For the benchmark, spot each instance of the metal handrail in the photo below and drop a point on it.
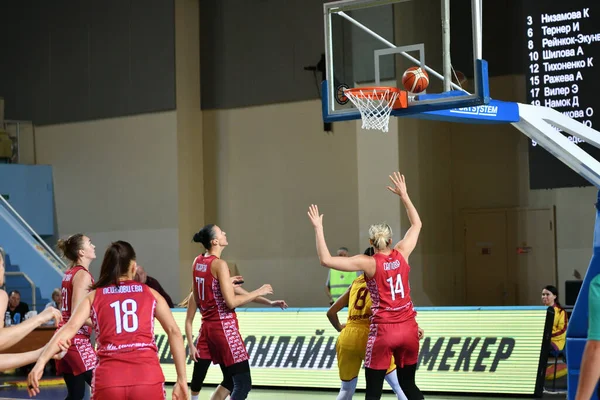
(28, 279)
(34, 233)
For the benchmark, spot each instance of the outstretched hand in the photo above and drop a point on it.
(265, 290)
(399, 182)
(313, 215)
(50, 314)
(279, 303)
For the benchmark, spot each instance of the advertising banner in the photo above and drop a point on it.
(465, 349)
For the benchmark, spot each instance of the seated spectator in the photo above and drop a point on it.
(143, 277)
(56, 299)
(559, 327)
(16, 308)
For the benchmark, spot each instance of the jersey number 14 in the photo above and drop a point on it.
(397, 288)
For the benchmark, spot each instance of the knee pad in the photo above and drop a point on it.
(242, 384)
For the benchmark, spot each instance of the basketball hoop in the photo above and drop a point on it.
(376, 103)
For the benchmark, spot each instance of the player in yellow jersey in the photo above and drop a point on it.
(352, 342)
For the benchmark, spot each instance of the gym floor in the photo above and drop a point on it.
(59, 393)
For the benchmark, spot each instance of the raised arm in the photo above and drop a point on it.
(165, 317)
(78, 318)
(356, 263)
(13, 334)
(335, 308)
(409, 241)
(221, 270)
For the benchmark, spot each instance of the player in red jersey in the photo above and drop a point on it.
(78, 364)
(201, 365)
(393, 328)
(219, 339)
(123, 312)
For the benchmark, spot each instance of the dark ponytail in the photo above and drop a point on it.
(115, 264)
(205, 236)
(554, 291)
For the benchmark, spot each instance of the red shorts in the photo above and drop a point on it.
(80, 357)
(146, 392)
(400, 340)
(221, 342)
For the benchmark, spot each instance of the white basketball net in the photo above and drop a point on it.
(375, 106)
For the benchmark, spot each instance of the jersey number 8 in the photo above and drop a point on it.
(361, 298)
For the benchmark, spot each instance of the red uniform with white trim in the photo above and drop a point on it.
(393, 328)
(81, 356)
(219, 339)
(128, 366)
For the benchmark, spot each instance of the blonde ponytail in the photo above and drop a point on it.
(380, 235)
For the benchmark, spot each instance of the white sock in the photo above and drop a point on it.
(392, 380)
(195, 396)
(347, 390)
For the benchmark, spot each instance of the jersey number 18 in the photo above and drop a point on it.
(126, 318)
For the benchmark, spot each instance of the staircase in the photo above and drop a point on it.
(32, 267)
(17, 280)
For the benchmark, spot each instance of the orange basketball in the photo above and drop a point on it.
(415, 80)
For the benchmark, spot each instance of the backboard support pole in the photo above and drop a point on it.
(476, 10)
(446, 45)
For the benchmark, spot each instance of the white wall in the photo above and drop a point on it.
(116, 179)
(267, 165)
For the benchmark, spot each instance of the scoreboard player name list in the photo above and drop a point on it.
(560, 51)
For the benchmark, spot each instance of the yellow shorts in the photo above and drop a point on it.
(350, 348)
